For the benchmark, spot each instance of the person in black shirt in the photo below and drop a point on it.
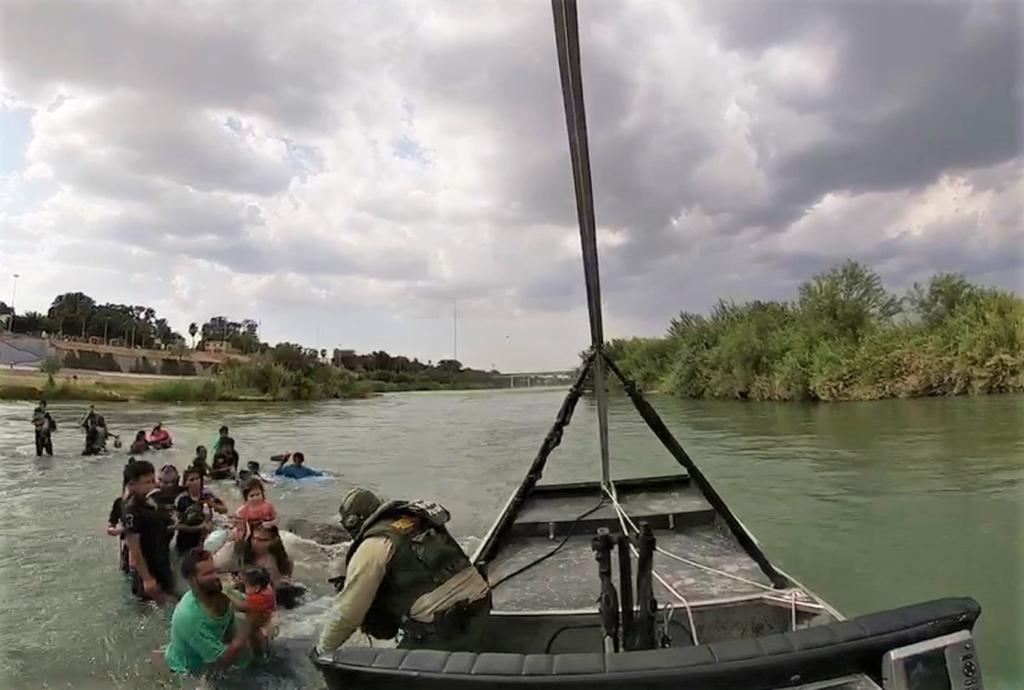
(115, 524)
(199, 462)
(147, 529)
(44, 427)
(168, 487)
(195, 507)
(225, 461)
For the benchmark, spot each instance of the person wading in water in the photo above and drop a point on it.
(44, 427)
(205, 634)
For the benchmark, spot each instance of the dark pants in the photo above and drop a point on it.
(161, 573)
(44, 442)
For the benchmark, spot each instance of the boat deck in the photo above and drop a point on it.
(683, 523)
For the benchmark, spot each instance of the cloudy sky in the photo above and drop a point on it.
(346, 171)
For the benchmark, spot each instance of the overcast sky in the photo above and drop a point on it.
(344, 171)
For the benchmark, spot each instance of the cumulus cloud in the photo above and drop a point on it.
(345, 171)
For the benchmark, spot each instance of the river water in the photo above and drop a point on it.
(872, 505)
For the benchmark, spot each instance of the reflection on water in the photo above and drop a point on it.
(870, 504)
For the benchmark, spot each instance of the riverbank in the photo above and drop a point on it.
(99, 386)
(230, 386)
(71, 384)
(844, 338)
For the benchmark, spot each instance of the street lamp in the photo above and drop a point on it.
(14, 293)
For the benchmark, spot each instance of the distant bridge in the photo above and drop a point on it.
(524, 379)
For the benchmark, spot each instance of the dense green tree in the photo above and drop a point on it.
(841, 340)
(846, 302)
(70, 312)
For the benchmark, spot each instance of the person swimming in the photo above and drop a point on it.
(140, 444)
(159, 438)
(296, 470)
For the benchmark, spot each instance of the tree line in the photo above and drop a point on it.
(77, 315)
(844, 337)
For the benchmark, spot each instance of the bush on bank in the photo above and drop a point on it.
(844, 338)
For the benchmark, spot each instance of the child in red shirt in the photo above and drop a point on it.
(260, 602)
(257, 509)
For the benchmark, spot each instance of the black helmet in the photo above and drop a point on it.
(357, 505)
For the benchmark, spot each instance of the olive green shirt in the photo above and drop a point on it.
(363, 576)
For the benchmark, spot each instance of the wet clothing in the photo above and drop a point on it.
(145, 519)
(44, 443)
(262, 601)
(192, 513)
(403, 570)
(44, 426)
(95, 440)
(138, 446)
(297, 472)
(160, 439)
(259, 513)
(114, 519)
(115, 512)
(225, 463)
(199, 639)
(166, 496)
(215, 446)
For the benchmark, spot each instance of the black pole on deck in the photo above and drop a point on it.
(645, 588)
(608, 601)
(626, 591)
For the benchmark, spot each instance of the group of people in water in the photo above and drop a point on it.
(404, 574)
(96, 433)
(163, 516)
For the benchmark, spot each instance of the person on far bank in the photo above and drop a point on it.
(404, 571)
(295, 470)
(44, 426)
(146, 529)
(205, 634)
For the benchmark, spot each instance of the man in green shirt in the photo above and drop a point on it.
(204, 632)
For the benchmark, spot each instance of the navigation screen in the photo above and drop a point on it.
(927, 671)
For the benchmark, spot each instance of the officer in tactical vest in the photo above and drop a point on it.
(405, 572)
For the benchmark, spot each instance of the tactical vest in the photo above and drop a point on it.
(425, 557)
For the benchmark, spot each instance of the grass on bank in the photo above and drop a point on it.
(62, 391)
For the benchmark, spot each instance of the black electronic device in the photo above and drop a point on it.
(949, 662)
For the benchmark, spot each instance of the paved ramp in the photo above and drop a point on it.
(23, 351)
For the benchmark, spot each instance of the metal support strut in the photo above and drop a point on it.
(567, 44)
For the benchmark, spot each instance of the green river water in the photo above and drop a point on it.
(872, 505)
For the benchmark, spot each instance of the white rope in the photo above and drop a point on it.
(664, 583)
(694, 564)
(793, 609)
(791, 600)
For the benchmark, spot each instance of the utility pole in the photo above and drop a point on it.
(14, 293)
